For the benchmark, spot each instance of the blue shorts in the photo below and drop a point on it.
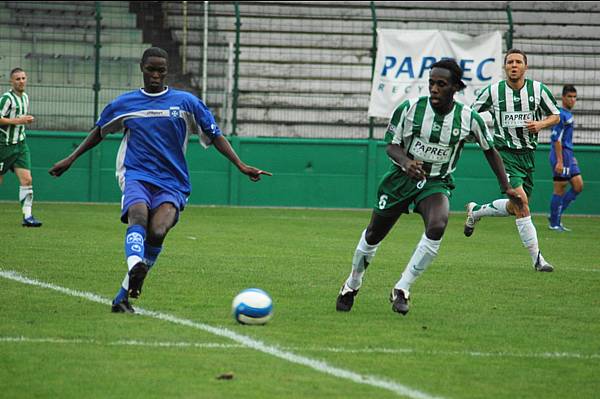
(153, 196)
(570, 166)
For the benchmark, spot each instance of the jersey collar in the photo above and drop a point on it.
(154, 94)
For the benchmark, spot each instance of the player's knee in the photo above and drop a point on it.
(158, 232)
(435, 230)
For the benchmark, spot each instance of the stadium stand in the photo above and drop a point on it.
(305, 67)
(54, 42)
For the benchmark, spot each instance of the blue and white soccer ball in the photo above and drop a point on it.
(252, 306)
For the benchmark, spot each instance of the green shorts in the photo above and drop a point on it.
(14, 156)
(519, 166)
(397, 191)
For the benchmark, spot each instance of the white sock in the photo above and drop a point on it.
(125, 283)
(424, 254)
(363, 255)
(132, 261)
(494, 208)
(528, 235)
(26, 199)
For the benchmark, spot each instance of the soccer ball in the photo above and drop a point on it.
(252, 306)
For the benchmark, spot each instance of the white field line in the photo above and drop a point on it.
(391, 351)
(246, 341)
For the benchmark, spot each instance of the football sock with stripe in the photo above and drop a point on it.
(555, 209)
(494, 208)
(151, 254)
(426, 251)
(26, 200)
(567, 199)
(134, 245)
(363, 255)
(528, 235)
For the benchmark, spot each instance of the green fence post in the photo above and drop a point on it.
(371, 143)
(236, 69)
(509, 34)
(373, 56)
(371, 185)
(96, 153)
(234, 175)
(97, 47)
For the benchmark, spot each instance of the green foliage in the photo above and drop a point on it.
(482, 323)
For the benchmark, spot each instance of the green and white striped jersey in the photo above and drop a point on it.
(435, 139)
(511, 109)
(13, 106)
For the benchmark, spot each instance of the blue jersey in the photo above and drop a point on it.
(156, 130)
(563, 132)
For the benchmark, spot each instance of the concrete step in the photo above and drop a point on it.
(64, 34)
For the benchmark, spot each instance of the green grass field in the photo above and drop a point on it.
(482, 323)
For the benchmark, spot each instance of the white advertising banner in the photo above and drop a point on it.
(404, 58)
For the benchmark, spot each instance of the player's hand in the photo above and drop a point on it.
(26, 119)
(414, 169)
(514, 197)
(559, 168)
(534, 126)
(254, 173)
(60, 167)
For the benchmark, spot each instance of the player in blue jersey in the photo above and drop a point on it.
(563, 162)
(151, 166)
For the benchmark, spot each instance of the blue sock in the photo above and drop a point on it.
(150, 254)
(134, 245)
(567, 199)
(121, 296)
(555, 204)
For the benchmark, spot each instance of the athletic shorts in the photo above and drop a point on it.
(14, 156)
(397, 191)
(137, 191)
(570, 166)
(520, 166)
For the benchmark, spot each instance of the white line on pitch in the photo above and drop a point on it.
(391, 351)
(315, 364)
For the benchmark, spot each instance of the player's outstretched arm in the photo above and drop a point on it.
(497, 166)
(224, 148)
(90, 142)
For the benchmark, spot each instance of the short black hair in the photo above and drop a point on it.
(568, 89)
(15, 70)
(455, 71)
(516, 51)
(154, 52)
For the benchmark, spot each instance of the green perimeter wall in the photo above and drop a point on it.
(306, 173)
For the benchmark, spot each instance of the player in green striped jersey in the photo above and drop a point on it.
(520, 109)
(14, 152)
(425, 138)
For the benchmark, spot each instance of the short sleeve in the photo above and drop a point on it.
(480, 132)
(394, 128)
(205, 120)
(548, 102)
(106, 117)
(484, 101)
(5, 105)
(558, 129)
